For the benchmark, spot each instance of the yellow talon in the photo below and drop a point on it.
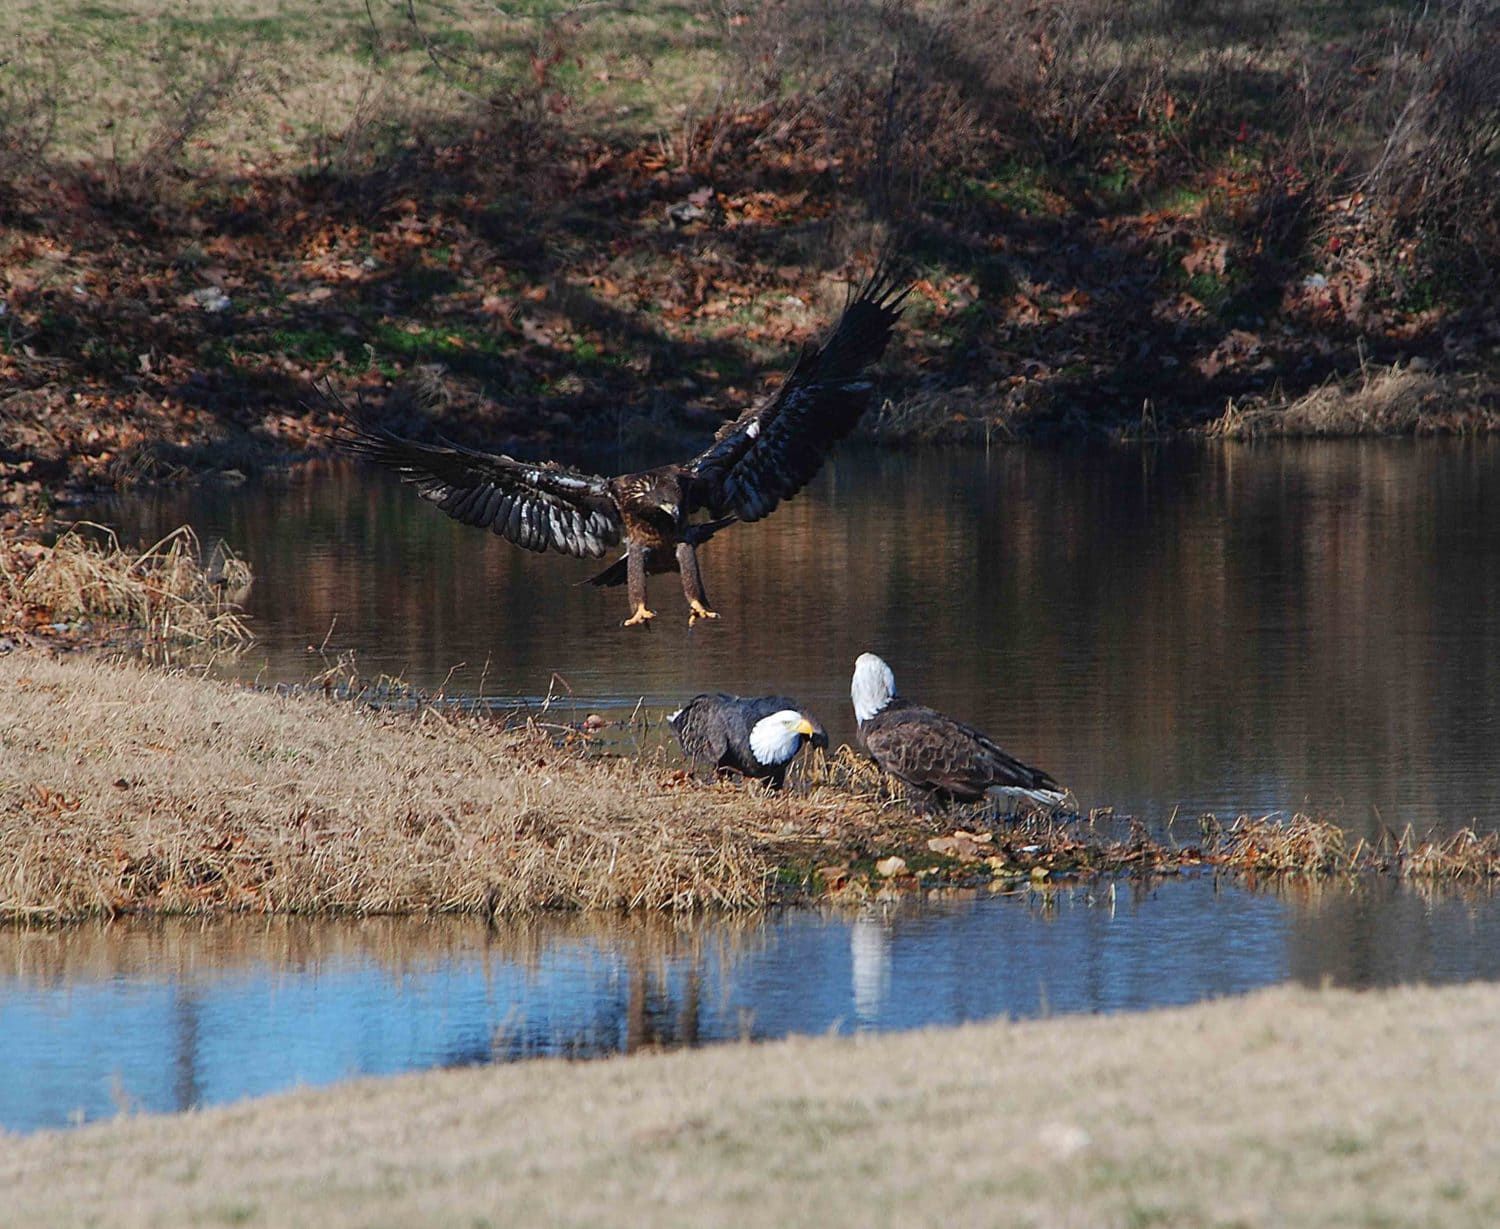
(640, 616)
(700, 611)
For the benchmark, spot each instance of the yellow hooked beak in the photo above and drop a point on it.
(803, 727)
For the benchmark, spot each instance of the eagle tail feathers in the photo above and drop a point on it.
(1048, 799)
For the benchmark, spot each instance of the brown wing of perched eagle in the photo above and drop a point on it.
(756, 737)
(936, 757)
(767, 454)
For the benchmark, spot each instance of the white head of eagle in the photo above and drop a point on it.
(775, 739)
(873, 686)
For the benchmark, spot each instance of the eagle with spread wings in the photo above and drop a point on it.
(767, 454)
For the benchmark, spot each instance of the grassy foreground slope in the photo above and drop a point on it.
(1286, 1108)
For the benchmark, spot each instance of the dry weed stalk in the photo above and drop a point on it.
(1303, 845)
(1464, 855)
(1315, 847)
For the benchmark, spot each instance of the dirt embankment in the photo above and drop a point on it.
(1286, 1108)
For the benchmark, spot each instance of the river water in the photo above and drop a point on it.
(101, 1019)
(1304, 626)
(1173, 631)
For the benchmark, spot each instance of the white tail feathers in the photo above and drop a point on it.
(1049, 799)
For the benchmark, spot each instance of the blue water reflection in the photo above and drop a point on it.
(167, 1015)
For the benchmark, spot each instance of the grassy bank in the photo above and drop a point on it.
(549, 227)
(1286, 1108)
(132, 789)
(127, 789)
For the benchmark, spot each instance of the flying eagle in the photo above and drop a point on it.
(936, 757)
(767, 454)
(754, 737)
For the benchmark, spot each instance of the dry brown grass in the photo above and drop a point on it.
(1302, 845)
(1387, 401)
(1308, 846)
(1287, 1108)
(125, 789)
(168, 591)
(1466, 855)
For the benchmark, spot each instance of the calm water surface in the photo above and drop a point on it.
(1218, 630)
(162, 1016)
(1245, 629)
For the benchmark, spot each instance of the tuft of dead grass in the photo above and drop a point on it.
(169, 590)
(1466, 855)
(1303, 845)
(1387, 401)
(1311, 847)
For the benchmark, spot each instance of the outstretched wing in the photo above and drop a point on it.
(536, 506)
(770, 452)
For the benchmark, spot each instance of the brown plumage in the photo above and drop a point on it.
(767, 454)
(936, 757)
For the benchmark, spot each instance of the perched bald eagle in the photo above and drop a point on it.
(767, 454)
(754, 737)
(937, 758)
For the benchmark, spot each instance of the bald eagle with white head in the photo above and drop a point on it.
(757, 737)
(936, 757)
(767, 454)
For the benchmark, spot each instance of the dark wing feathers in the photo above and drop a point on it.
(541, 507)
(930, 751)
(702, 728)
(714, 729)
(773, 449)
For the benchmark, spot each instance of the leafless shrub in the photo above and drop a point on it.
(190, 102)
(507, 66)
(1405, 122)
(28, 119)
(1436, 96)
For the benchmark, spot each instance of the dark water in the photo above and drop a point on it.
(1239, 630)
(1236, 630)
(162, 1016)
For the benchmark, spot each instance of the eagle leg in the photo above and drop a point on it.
(635, 569)
(692, 584)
